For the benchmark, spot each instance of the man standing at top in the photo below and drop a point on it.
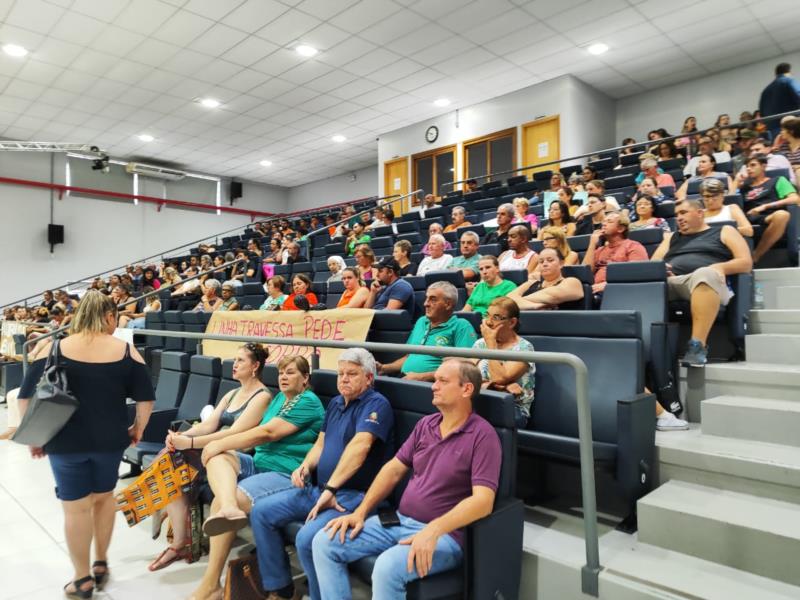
(780, 96)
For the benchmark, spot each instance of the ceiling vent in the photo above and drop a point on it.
(153, 171)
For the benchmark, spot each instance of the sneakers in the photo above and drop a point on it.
(696, 354)
(669, 422)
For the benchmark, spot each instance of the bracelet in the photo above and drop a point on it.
(191, 447)
(330, 489)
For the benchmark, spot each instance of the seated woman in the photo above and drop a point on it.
(171, 276)
(287, 431)
(335, 266)
(713, 193)
(706, 168)
(275, 254)
(239, 410)
(365, 263)
(552, 290)
(355, 292)
(521, 213)
(558, 216)
(229, 301)
(648, 187)
(499, 332)
(402, 254)
(301, 285)
(518, 256)
(211, 300)
(149, 278)
(554, 237)
(275, 296)
(645, 208)
(491, 286)
(137, 320)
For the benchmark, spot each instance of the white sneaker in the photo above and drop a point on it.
(669, 422)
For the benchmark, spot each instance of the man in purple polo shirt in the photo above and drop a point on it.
(455, 457)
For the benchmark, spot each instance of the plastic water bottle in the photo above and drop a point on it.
(758, 296)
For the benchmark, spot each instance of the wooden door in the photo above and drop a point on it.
(540, 143)
(395, 181)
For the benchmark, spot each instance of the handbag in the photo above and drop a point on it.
(51, 407)
(243, 582)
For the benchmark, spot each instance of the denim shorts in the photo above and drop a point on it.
(247, 465)
(261, 485)
(79, 474)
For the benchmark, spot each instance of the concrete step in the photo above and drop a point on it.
(786, 321)
(759, 419)
(746, 532)
(788, 297)
(739, 465)
(773, 348)
(752, 379)
(771, 279)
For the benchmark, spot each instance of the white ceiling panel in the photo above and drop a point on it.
(109, 71)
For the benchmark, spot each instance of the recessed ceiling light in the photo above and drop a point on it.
(304, 50)
(598, 48)
(14, 50)
(266, 163)
(146, 137)
(209, 102)
(339, 139)
(442, 102)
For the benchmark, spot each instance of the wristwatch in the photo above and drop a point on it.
(330, 488)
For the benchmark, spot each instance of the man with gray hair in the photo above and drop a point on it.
(437, 260)
(439, 327)
(467, 261)
(355, 441)
(457, 219)
(649, 168)
(505, 218)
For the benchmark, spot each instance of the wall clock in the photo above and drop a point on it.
(431, 134)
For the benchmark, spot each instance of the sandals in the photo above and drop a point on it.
(100, 579)
(218, 524)
(182, 553)
(80, 594)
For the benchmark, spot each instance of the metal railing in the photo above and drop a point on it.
(590, 572)
(638, 145)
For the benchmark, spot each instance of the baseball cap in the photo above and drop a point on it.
(389, 263)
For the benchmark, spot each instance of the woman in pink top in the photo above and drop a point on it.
(521, 213)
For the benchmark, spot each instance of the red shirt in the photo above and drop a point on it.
(625, 251)
(288, 304)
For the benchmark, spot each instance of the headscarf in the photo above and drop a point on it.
(339, 260)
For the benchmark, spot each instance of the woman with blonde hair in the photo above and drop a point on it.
(103, 372)
(365, 263)
(553, 237)
(521, 213)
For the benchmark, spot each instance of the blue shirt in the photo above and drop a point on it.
(781, 95)
(401, 290)
(370, 412)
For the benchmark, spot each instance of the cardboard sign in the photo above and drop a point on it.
(342, 324)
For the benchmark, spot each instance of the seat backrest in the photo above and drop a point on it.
(518, 276)
(171, 379)
(201, 388)
(456, 277)
(323, 382)
(269, 377)
(473, 317)
(154, 320)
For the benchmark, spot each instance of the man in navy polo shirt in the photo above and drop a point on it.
(390, 290)
(355, 441)
(455, 457)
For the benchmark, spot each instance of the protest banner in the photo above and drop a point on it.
(349, 324)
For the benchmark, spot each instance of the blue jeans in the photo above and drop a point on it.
(390, 575)
(272, 512)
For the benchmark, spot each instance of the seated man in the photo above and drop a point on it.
(595, 214)
(505, 218)
(519, 256)
(442, 497)
(355, 441)
(436, 260)
(698, 258)
(765, 200)
(389, 290)
(616, 248)
(439, 327)
(294, 254)
(774, 161)
(649, 168)
(467, 261)
(457, 219)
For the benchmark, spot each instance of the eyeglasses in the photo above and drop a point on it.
(496, 318)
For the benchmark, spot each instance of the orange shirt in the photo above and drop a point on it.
(289, 302)
(346, 297)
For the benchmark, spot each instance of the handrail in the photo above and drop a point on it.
(395, 198)
(590, 572)
(740, 125)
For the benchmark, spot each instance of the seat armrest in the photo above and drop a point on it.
(636, 440)
(493, 554)
(159, 424)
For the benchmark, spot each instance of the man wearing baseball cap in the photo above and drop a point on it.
(389, 290)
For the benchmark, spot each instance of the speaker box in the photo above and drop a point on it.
(236, 190)
(55, 234)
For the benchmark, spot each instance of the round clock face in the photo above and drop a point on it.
(432, 133)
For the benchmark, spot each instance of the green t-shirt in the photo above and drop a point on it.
(483, 295)
(305, 412)
(459, 262)
(453, 333)
(364, 239)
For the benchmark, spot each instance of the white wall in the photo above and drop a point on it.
(586, 121)
(729, 91)
(99, 234)
(333, 190)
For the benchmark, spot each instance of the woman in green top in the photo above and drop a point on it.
(356, 238)
(229, 301)
(491, 286)
(288, 429)
(275, 296)
(239, 410)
